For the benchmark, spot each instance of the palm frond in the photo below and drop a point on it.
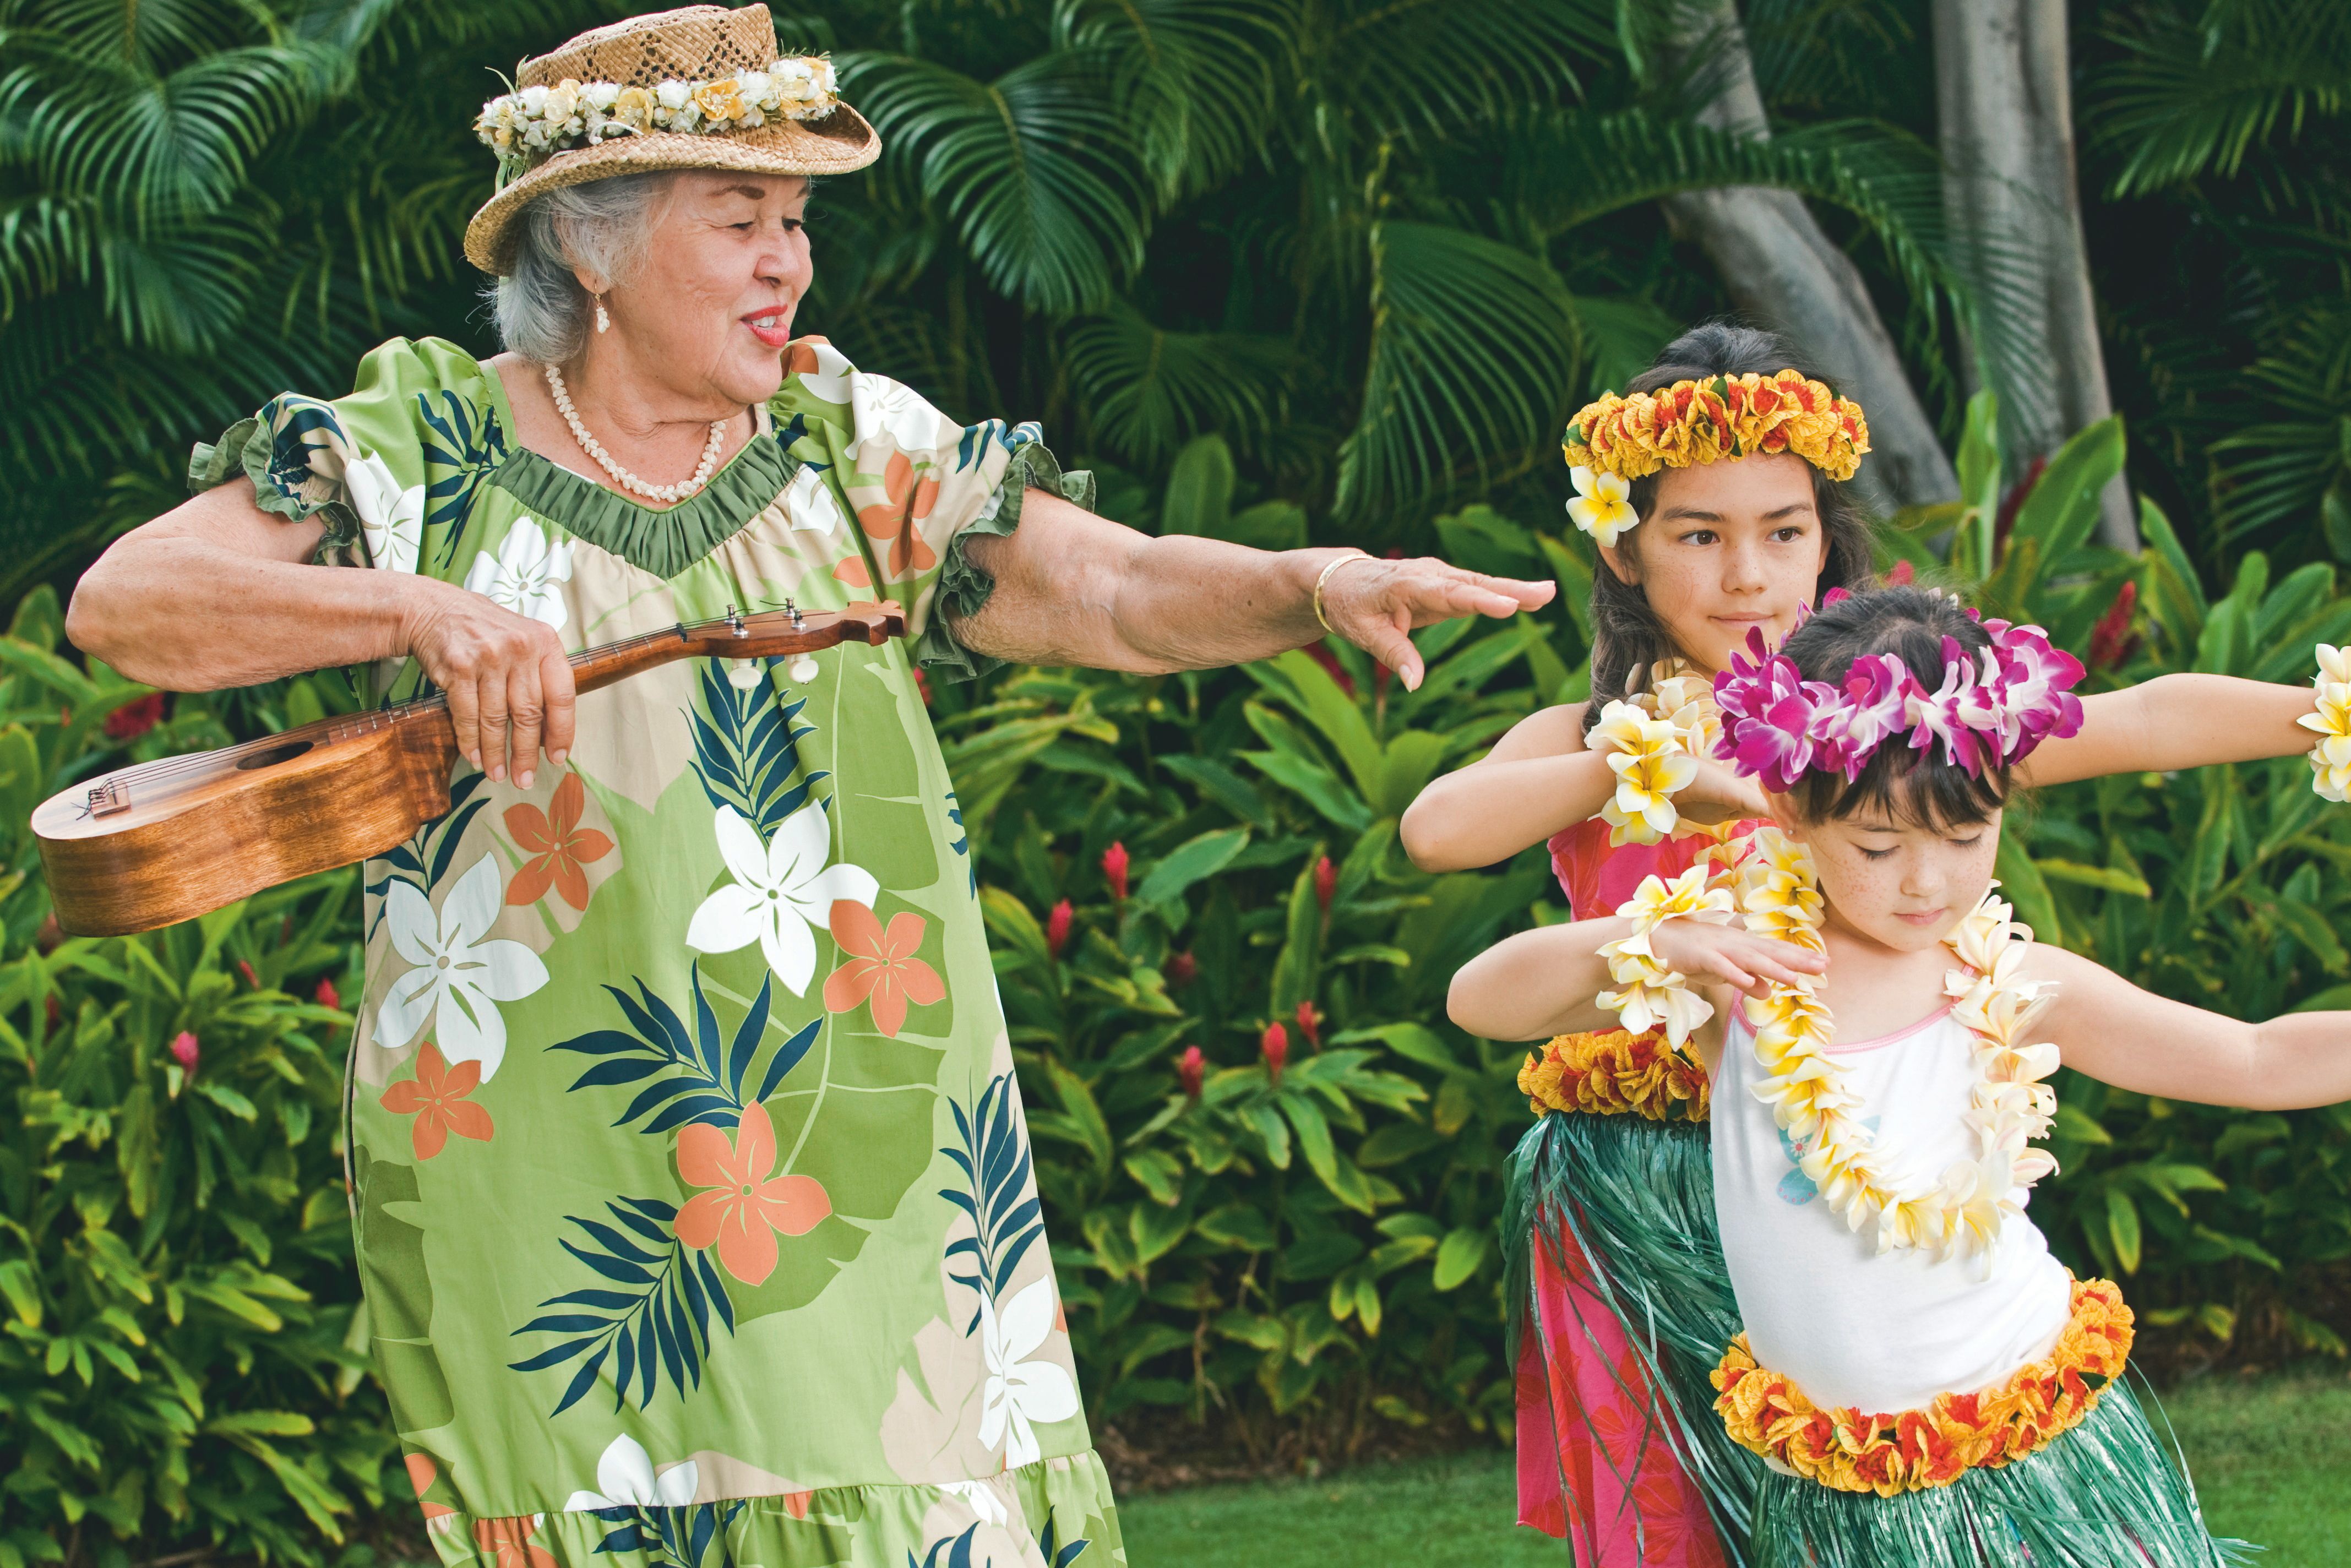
(1473, 353)
(1439, 63)
(1034, 168)
(2191, 94)
(1196, 78)
(1146, 391)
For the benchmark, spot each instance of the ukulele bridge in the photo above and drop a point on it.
(107, 798)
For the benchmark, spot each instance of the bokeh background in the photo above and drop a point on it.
(1279, 271)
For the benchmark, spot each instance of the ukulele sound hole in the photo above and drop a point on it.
(273, 756)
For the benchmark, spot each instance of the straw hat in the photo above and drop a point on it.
(698, 43)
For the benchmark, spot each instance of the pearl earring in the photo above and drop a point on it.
(603, 322)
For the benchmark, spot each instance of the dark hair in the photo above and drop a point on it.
(1627, 635)
(1913, 786)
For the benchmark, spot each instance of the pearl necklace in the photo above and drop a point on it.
(621, 476)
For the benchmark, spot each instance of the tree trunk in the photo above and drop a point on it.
(2006, 107)
(1783, 270)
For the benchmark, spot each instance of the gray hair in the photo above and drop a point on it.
(605, 226)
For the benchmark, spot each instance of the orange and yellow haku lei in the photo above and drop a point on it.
(1617, 1073)
(1851, 1451)
(1721, 416)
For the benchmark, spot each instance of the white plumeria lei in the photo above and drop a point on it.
(2330, 759)
(1652, 741)
(539, 121)
(2010, 1107)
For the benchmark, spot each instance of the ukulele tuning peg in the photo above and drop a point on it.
(802, 669)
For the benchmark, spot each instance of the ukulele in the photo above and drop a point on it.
(167, 840)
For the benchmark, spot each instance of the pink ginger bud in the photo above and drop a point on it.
(1113, 863)
(1326, 882)
(1191, 1068)
(1057, 928)
(185, 1052)
(1275, 1046)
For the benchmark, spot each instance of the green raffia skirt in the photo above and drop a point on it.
(1621, 1211)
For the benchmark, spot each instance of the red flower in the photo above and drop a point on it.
(1901, 574)
(1113, 863)
(1190, 1069)
(185, 1050)
(2016, 499)
(880, 964)
(1326, 881)
(245, 967)
(436, 1097)
(328, 996)
(1275, 1046)
(748, 1202)
(1181, 969)
(1309, 1024)
(2111, 642)
(135, 718)
(559, 846)
(1057, 928)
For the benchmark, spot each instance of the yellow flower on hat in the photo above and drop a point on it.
(720, 99)
(1600, 506)
(633, 107)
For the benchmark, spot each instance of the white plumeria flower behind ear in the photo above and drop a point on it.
(459, 979)
(392, 520)
(625, 1479)
(1600, 508)
(1020, 1392)
(522, 576)
(781, 889)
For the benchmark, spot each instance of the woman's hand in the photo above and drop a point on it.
(1725, 955)
(507, 678)
(1374, 604)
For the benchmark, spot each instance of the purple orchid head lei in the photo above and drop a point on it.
(1993, 707)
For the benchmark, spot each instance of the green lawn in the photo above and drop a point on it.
(2272, 1459)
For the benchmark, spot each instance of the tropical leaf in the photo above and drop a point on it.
(746, 748)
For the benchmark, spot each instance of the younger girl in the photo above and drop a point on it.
(1712, 523)
(1925, 1384)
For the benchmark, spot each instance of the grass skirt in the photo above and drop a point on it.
(2104, 1495)
(1633, 1201)
(1626, 1207)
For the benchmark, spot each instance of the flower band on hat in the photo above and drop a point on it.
(536, 122)
(1991, 710)
(1617, 439)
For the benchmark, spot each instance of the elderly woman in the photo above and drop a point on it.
(692, 1196)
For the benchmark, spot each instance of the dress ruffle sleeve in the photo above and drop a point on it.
(920, 486)
(401, 457)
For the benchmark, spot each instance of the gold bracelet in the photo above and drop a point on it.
(1330, 567)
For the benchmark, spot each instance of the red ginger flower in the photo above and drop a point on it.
(1901, 574)
(1181, 969)
(1191, 1069)
(1113, 864)
(1326, 882)
(185, 1050)
(559, 846)
(748, 1202)
(245, 967)
(880, 964)
(135, 718)
(436, 1097)
(1309, 1024)
(1275, 1046)
(328, 996)
(1057, 928)
(2110, 640)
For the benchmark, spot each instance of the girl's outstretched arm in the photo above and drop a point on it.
(2175, 721)
(2105, 1026)
(1538, 779)
(1545, 982)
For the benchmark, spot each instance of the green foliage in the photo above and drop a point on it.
(182, 1347)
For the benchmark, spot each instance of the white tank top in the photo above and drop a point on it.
(1851, 1326)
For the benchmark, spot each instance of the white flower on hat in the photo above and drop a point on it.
(670, 94)
(602, 94)
(534, 100)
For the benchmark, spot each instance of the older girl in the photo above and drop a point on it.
(1717, 519)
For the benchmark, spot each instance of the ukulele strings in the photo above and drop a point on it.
(343, 726)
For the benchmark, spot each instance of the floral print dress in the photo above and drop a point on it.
(693, 1194)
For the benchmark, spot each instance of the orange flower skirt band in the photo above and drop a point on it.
(1848, 1450)
(1615, 1074)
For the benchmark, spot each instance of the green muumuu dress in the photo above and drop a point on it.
(693, 1194)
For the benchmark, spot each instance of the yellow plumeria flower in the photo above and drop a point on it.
(1651, 764)
(2330, 759)
(1599, 506)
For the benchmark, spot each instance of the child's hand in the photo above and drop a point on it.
(1730, 957)
(1719, 795)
